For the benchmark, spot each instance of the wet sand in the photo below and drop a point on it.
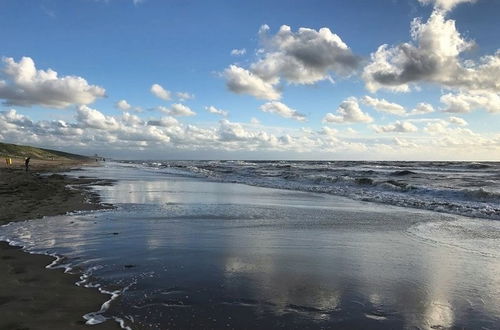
(31, 296)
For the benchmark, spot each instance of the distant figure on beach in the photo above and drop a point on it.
(27, 163)
(8, 161)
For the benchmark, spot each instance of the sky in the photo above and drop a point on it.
(181, 79)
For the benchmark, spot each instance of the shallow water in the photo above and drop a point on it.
(194, 253)
(463, 188)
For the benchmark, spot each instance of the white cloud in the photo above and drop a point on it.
(184, 96)
(164, 122)
(458, 121)
(238, 52)
(177, 109)
(27, 86)
(437, 127)
(351, 131)
(254, 121)
(328, 131)
(123, 105)
(303, 57)
(160, 92)
(128, 134)
(348, 112)
(92, 118)
(216, 111)
(445, 137)
(397, 127)
(12, 117)
(434, 56)
(422, 108)
(241, 81)
(445, 5)
(282, 110)
(404, 143)
(384, 106)
(229, 131)
(464, 102)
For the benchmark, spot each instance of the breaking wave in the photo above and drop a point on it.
(465, 188)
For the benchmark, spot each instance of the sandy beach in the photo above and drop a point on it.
(31, 296)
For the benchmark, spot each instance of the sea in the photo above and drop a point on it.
(465, 188)
(284, 244)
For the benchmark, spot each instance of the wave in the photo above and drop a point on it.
(430, 186)
(401, 173)
(478, 166)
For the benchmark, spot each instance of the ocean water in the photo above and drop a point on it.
(184, 250)
(465, 188)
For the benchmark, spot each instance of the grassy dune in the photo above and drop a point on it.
(19, 151)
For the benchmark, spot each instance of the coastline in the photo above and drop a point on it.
(207, 254)
(31, 296)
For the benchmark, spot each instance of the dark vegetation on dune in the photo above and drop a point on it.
(20, 151)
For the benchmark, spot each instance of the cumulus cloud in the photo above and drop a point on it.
(23, 84)
(282, 110)
(164, 122)
(445, 136)
(464, 102)
(400, 142)
(445, 5)
(422, 108)
(216, 111)
(128, 133)
(126, 130)
(12, 117)
(184, 96)
(18, 128)
(160, 92)
(433, 56)
(242, 81)
(397, 127)
(351, 130)
(458, 121)
(302, 57)
(229, 131)
(238, 52)
(329, 131)
(305, 56)
(348, 112)
(92, 118)
(437, 127)
(177, 109)
(384, 106)
(254, 121)
(123, 105)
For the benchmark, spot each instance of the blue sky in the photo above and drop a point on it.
(290, 79)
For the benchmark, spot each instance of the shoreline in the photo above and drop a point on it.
(32, 296)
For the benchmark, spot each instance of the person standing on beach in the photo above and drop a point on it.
(27, 163)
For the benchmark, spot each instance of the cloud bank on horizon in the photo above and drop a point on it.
(437, 58)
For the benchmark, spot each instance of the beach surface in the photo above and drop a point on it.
(31, 296)
(185, 252)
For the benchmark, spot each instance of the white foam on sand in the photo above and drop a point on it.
(98, 317)
(93, 317)
(473, 235)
